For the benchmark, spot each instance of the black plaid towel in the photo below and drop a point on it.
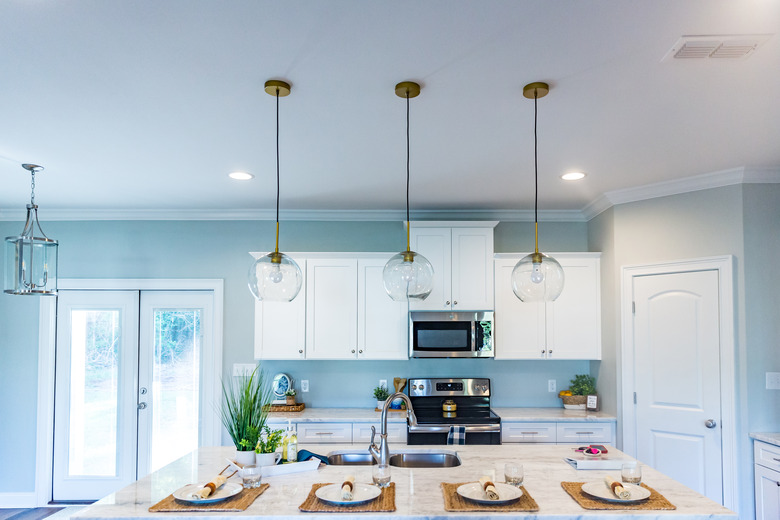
(457, 435)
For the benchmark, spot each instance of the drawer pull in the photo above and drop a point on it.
(323, 433)
(585, 433)
(775, 458)
(530, 433)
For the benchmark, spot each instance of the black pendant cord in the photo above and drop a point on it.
(408, 243)
(277, 171)
(536, 169)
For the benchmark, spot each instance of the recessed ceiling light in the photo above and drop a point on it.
(572, 176)
(241, 176)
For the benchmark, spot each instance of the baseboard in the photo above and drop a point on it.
(18, 499)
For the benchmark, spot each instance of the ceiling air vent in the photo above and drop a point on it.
(735, 47)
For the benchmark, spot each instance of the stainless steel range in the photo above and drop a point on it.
(442, 403)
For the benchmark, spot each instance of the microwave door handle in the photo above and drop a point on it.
(473, 335)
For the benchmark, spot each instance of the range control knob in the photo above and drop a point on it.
(421, 387)
(414, 387)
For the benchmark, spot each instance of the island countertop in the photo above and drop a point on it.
(418, 491)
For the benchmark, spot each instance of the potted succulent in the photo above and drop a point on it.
(244, 410)
(290, 396)
(580, 388)
(381, 394)
(265, 449)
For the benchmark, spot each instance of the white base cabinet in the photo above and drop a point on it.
(343, 433)
(767, 480)
(567, 328)
(590, 432)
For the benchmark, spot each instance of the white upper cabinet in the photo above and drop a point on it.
(383, 324)
(280, 327)
(462, 260)
(331, 308)
(568, 328)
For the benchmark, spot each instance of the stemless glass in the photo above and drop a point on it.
(250, 476)
(381, 475)
(513, 474)
(631, 473)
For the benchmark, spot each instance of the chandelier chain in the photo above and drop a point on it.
(32, 188)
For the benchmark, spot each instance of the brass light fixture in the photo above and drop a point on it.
(31, 257)
(275, 276)
(537, 277)
(408, 275)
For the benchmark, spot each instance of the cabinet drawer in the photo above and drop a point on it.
(361, 433)
(767, 455)
(528, 432)
(587, 432)
(321, 433)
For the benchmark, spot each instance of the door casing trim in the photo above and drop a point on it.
(724, 265)
(47, 335)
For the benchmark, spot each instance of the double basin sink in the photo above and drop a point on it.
(401, 459)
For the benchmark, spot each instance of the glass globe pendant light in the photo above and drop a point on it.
(275, 277)
(408, 275)
(31, 257)
(537, 277)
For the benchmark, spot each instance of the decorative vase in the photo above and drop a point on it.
(245, 457)
(290, 399)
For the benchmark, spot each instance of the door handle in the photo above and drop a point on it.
(710, 423)
(142, 406)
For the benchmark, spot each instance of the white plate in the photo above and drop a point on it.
(473, 491)
(602, 491)
(227, 490)
(361, 493)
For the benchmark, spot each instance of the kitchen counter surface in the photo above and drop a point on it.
(367, 415)
(771, 438)
(418, 491)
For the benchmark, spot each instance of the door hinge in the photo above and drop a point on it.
(633, 307)
(634, 397)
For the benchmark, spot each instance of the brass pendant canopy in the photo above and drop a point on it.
(536, 90)
(275, 86)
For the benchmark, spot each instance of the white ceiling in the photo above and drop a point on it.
(148, 104)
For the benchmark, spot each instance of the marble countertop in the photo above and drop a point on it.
(771, 438)
(367, 415)
(418, 491)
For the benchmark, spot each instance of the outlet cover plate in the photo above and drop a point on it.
(552, 386)
(304, 385)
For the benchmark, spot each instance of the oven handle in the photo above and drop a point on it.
(445, 428)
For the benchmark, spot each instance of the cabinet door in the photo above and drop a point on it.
(574, 319)
(585, 433)
(435, 244)
(532, 433)
(383, 324)
(331, 308)
(396, 432)
(280, 327)
(324, 433)
(472, 269)
(519, 327)
(767, 493)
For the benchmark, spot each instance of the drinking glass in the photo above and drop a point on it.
(381, 475)
(631, 472)
(513, 474)
(250, 476)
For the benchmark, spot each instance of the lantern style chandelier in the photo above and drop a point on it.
(31, 257)
(537, 277)
(408, 275)
(275, 276)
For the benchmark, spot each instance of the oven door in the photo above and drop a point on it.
(427, 434)
(442, 338)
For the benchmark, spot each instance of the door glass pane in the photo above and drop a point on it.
(92, 443)
(175, 380)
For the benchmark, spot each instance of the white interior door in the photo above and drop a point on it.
(677, 377)
(95, 405)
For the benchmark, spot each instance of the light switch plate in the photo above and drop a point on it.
(552, 385)
(383, 382)
(243, 369)
(304, 385)
(773, 380)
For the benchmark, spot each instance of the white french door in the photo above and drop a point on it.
(129, 385)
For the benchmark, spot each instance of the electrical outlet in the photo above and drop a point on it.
(304, 385)
(552, 386)
(773, 380)
(383, 382)
(243, 369)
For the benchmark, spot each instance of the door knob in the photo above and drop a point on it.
(142, 406)
(710, 423)
(142, 390)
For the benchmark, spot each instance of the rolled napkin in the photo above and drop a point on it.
(210, 488)
(490, 489)
(347, 487)
(617, 488)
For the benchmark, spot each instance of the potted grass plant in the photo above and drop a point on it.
(244, 411)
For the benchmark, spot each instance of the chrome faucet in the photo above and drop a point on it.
(382, 453)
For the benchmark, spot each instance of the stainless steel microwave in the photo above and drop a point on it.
(451, 334)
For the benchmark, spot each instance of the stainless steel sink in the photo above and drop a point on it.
(402, 459)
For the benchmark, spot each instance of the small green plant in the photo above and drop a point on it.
(291, 392)
(381, 393)
(269, 440)
(583, 384)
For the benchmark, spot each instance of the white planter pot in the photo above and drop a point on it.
(245, 457)
(267, 459)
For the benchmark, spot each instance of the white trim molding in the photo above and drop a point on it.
(724, 265)
(212, 427)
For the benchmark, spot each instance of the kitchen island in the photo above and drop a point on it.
(418, 491)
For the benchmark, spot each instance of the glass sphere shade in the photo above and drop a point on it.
(275, 281)
(537, 281)
(408, 276)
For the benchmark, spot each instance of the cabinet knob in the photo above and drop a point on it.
(543, 351)
(455, 302)
(549, 351)
(300, 351)
(353, 350)
(360, 351)
(447, 302)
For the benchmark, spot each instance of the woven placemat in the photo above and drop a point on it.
(454, 502)
(235, 503)
(656, 501)
(384, 503)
